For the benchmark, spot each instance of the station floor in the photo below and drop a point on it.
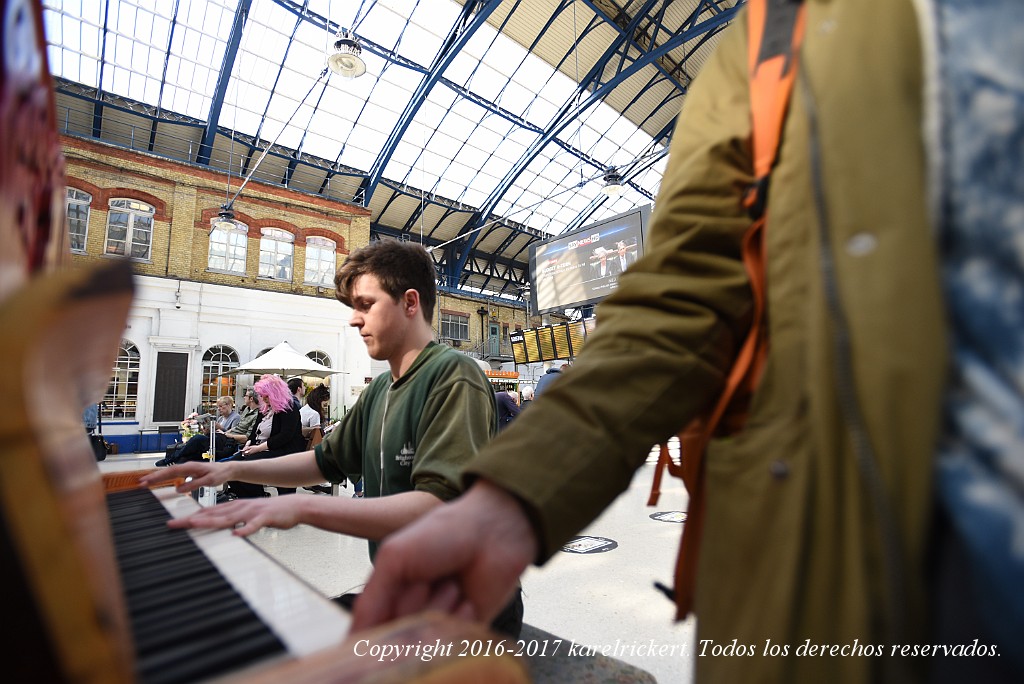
(605, 598)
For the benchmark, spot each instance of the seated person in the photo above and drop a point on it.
(276, 433)
(239, 435)
(195, 447)
(312, 419)
(312, 413)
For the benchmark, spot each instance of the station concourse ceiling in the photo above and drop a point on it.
(479, 127)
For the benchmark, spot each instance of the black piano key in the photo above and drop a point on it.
(188, 622)
(192, 666)
(199, 603)
(179, 625)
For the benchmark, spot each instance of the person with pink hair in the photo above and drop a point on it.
(278, 432)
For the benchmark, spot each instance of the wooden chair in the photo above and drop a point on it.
(315, 438)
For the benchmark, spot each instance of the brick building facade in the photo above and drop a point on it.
(208, 300)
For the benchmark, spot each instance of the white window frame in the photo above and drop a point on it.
(320, 357)
(321, 261)
(138, 239)
(121, 400)
(228, 250)
(452, 326)
(277, 244)
(218, 360)
(78, 199)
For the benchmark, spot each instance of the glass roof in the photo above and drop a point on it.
(499, 129)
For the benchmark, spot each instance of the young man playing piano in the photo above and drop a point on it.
(408, 436)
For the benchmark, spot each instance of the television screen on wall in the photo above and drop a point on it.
(583, 267)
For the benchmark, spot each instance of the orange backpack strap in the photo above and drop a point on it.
(775, 31)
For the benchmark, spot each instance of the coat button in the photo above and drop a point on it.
(861, 244)
(779, 469)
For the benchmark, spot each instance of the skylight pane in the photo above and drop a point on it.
(449, 188)
(487, 83)
(398, 171)
(381, 23)
(515, 98)
(419, 45)
(460, 69)
(473, 157)
(484, 139)
(474, 196)
(358, 158)
(406, 153)
(458, 173)
(430, 115)
(480, 42)
(323, 145)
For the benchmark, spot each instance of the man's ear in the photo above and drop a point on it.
(411, 302)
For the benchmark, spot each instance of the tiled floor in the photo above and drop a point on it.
(603, 599)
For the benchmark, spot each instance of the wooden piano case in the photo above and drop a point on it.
(59, 332)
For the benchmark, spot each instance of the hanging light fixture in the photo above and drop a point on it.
(345, 61)
(612, 183)
(225, 220)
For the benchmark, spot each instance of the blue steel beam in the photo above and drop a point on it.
(223, 77)
(570, 112)
(277, 79)
(297, 155)
(97, 105)
(397, 59)
(163, 76)
(562, 118)
(381, 230)
(474, 15)
(629, 31)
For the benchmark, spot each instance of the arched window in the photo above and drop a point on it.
(228, 249)
(320, 261)
(78, 218)
(276, 254)
(216, 361)
(130, 228)
(123, 391)
(320, 357)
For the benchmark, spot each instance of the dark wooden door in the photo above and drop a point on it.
(169, 393)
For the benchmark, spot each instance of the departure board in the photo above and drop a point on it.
(547, 344)
(561, 335)
(550, 342)
(518, 342)
(577, 334)
(532, 348)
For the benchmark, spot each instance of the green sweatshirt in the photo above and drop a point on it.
(420, 431)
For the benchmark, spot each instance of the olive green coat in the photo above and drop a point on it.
(792, 546)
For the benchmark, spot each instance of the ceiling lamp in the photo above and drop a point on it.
(346, 61)
(225, 220)
(612, 184)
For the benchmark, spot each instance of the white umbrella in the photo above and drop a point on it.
(285, 361)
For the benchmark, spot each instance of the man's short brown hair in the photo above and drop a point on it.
(399, 266)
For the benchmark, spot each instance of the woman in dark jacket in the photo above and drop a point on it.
(278, 432)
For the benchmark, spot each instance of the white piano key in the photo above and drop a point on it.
(303, 619)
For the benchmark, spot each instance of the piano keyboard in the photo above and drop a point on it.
(204, 603)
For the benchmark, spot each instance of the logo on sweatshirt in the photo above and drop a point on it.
(405, 456)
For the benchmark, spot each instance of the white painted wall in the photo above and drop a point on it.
(246, 320)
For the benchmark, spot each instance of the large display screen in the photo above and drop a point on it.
(583, 267)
